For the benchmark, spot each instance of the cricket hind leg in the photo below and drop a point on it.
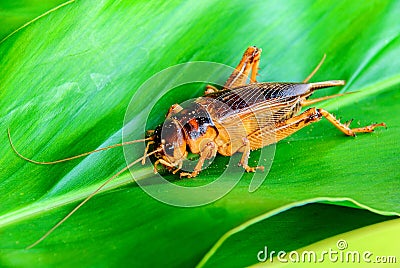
(312, 115)
(345, 127)
(249, 63)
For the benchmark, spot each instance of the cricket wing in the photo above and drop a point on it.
(260, 121)
(244, 111)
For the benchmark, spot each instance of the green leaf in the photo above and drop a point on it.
(67, 80)
(355, 247)
(15, 15)
(288, 231)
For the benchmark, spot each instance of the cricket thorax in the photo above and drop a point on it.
(185, 128)
(194, 120)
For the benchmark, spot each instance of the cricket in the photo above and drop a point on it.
(240, 117)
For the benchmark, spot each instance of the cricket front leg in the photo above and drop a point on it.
(162, 162)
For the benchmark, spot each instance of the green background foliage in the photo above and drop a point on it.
(68, 77)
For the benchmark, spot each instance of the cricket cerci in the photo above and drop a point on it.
(267, 111)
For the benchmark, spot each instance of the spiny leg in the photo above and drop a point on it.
(291, 125)
(244, 161)
(207, 152)
(345, 127)
(312, 115)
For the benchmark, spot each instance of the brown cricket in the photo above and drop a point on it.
(267, 112)
(238, 118)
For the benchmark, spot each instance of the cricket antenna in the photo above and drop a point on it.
(72, 157)
(90, 197)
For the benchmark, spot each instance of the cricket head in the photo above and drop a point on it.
(169, 139)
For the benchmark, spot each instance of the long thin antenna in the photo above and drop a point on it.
(73, 157)
(89, 197)
(315, 69)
